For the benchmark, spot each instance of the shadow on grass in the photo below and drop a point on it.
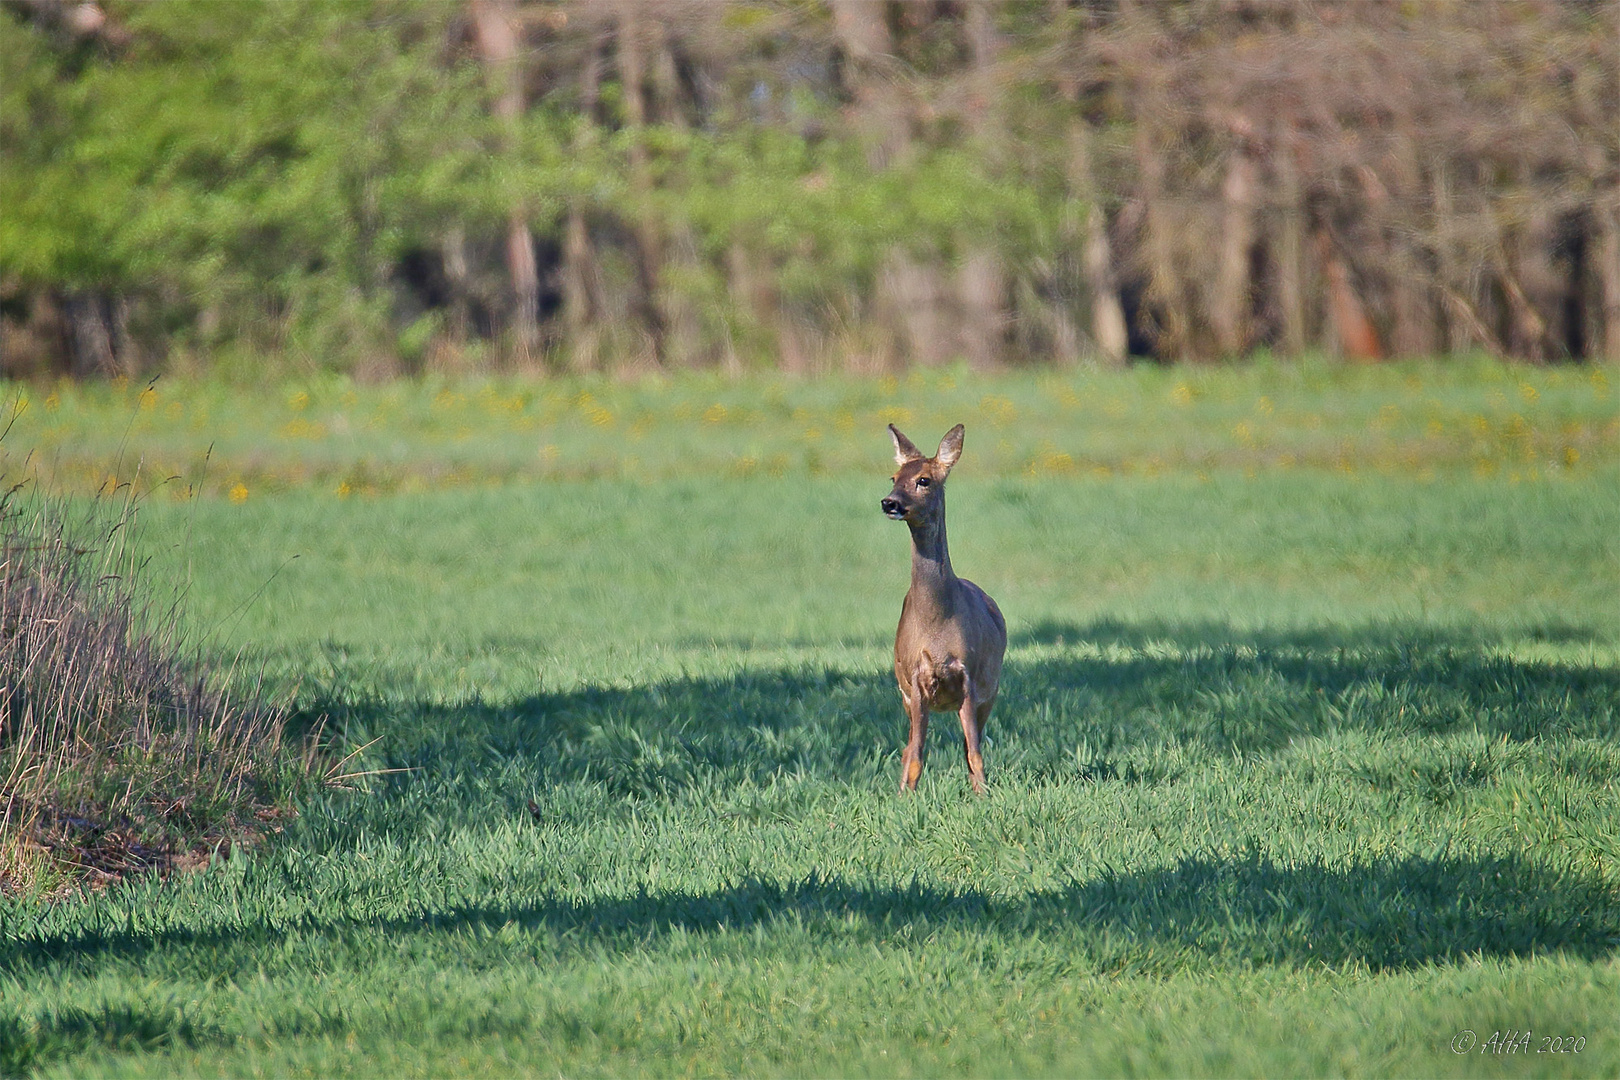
(1393, 914)
(1387, 916)
(1115, 690)
(119, 1027)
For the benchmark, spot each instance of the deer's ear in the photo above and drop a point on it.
(950, 447)
(904, 449)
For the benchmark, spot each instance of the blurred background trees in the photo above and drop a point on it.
(402, 186)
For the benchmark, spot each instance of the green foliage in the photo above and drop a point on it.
(1300, 773)
(200, 185)
(256, 173)
(829, 218)
(245, 158)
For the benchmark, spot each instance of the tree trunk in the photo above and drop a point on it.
(911, 297)
(495, 28)
(1606, 259)
(1231, 300)
(1353, 332)
(981, 286)
(1463, 326)
(649, 238)
(683, 339)
(1164, 292)
(1526, 327)
(1603, 168)
(581, 280)
(1413, 331)
(453, 256)
(1535, 291)
(1110, 340)
(913, 301)
(755, 300)
(91, 335)
(525, 273)
(1291, 268)
(981, 293)
(868, 48)
(1109, 334)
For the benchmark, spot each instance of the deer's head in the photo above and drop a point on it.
(919, 483)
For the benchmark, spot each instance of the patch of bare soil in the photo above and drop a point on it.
(78, 849)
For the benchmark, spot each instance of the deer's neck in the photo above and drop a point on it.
(931, 574)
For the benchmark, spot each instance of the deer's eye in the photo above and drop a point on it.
(922, 481)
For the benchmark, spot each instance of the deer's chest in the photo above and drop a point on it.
(941, 682)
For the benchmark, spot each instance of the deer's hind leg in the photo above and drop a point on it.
(975, 714)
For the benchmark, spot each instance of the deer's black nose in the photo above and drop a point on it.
(890, 506)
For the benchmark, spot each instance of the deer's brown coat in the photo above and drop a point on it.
(951, 639)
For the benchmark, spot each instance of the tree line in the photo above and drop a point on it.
(405, 186)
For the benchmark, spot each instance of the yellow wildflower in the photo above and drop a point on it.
(1001, 410)
(895, 414)
(1056, 461)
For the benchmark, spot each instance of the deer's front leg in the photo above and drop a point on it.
(973, 714)
(911, 762)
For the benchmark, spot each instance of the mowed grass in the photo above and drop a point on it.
(1300, 766)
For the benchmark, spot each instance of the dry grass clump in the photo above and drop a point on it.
(119, 751)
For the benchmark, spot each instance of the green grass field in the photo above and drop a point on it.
(1305, 761)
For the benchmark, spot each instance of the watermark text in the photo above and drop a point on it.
(1467, 1041)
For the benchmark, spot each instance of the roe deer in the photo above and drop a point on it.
(948, 649)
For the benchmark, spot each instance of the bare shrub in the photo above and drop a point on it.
(119, 749)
